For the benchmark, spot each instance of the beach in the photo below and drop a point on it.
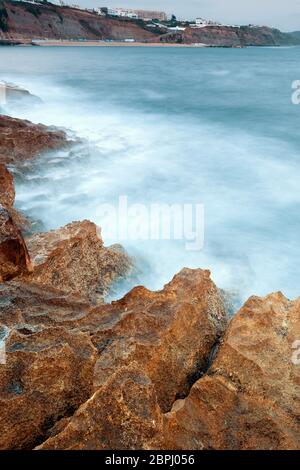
(74, 43)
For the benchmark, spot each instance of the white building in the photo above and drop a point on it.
(202, 23)
(126, 13)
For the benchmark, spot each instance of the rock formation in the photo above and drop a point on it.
(7, 188)
(22, 303)
(74, 260)
(14, 257)
(249, 399)
(153, 370)
(47, 375)
(231, 36)
(22, 140)
(151, 346)
(20, 21)
(122, 414)
(7, 199)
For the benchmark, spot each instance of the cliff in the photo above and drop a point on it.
(22, 22)
(229, 36)
(25, 21)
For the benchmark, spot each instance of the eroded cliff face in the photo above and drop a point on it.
(20, 20)
(228, 36)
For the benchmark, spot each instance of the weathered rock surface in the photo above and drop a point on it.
(122, 414)
(24, 303)
(151, 346)
(7, 199)
(22, 140)
(231, 36)
(250, 397)
(21, 21)
(74, 260)
(7, 189)
(170, 333)
(142, 372)
(14, 257)
(48, 374)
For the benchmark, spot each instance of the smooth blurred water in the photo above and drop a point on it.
(211, 126)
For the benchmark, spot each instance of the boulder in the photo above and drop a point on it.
(74, 260)
(122, 414)
(24, 303)
(151, 348)
(169, 333)
(22, 140)
(14, 257)
(47, 375)
(249, 399)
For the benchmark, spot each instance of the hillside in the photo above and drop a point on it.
(22, 22)
(296, 34)
(229, 36)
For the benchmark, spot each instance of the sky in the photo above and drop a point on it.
(284, 14)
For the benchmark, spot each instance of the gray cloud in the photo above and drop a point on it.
(282, 14)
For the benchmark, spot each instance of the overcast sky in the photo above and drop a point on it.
(284, 14)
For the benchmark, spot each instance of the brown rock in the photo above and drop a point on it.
(250, 397)
(7, 189)
(114, 264)
(73, 259)
(14, 257)
(24, 303)
(22, 140)
(24, 22)
(167, 336)
(7, 199)
(47, 375)
(122, 414)
(231, 36)
(170, 332)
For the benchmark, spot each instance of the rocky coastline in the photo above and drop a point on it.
(23, 23)
(153, 370)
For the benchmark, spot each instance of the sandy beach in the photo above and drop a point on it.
(56, 43)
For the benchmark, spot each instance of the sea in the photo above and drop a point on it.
(215, 129)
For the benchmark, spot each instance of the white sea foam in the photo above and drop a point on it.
(247, 181)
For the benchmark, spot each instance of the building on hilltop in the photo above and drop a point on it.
(202, 23)
(146, 15)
